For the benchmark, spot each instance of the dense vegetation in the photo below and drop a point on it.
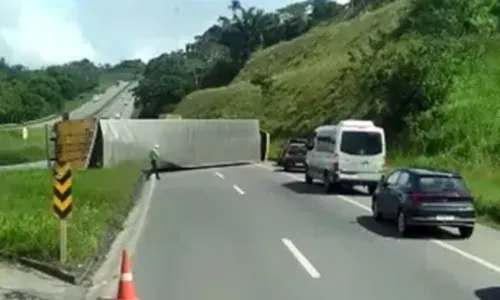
(218, 54)
(427, 71)
(30, 94)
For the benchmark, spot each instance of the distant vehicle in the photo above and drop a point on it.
(286, 145)
(351, 152)
(425, 197)
(95, 98)
(294, 157)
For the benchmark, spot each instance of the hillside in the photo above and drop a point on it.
(418, 74)
(303, 75)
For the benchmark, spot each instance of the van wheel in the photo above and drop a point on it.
(465, 232)
(371, 189)
(309, 179)
(327, 184)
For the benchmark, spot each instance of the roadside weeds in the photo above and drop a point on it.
(102, 199)
(15, 150)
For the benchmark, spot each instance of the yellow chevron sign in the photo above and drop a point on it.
(62, 189)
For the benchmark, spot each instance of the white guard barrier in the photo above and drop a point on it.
(183, 143)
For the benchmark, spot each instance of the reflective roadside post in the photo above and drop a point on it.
(25, 134)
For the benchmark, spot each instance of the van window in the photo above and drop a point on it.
(323, 143)
(361, 143)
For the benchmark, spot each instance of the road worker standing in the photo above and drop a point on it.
(154, 155)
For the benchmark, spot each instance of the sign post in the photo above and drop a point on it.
(25, 134)
(62, 202)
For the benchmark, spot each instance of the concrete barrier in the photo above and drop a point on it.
(183, 143)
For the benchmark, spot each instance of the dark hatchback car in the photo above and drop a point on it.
(424, 197)
(294, 157)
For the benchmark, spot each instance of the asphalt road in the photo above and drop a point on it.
(251, 232)
(89, 108)
(118, 106)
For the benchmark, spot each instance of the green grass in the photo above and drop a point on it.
(15, 151)
(28, 226)
(307, 87)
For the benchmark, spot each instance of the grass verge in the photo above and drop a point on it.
(15, 150)
(29, 228)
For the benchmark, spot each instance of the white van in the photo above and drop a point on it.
(351, 152)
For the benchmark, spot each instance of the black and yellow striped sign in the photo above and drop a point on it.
(62, 187)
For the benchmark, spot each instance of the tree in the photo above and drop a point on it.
(30, 94)
(217, 55)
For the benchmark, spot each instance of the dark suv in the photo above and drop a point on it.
(294, 157)
(425, 197)
(286, 146)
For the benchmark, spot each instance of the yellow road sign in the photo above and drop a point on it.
(62, 189)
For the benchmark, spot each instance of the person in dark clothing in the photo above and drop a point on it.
(154, 155)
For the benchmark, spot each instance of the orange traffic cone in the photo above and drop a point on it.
(126, 289)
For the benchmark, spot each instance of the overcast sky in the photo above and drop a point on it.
(41, 32)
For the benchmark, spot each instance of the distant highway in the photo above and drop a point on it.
(116, 106)
(254, 232)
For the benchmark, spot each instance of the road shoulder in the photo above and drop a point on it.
(105, 280)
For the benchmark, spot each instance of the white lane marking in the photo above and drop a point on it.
(304, 262)
(354, 202)
(238, 189)
(480, 261)
(264, 166)
(219, 175)
(468, 256)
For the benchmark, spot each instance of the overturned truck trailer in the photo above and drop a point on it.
(183, 143)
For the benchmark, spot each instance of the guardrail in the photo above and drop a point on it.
(41, 120)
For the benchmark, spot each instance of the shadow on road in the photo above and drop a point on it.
(301, 187)
(169, 167)
(293, 171)
(489, 293)
(388, 229)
